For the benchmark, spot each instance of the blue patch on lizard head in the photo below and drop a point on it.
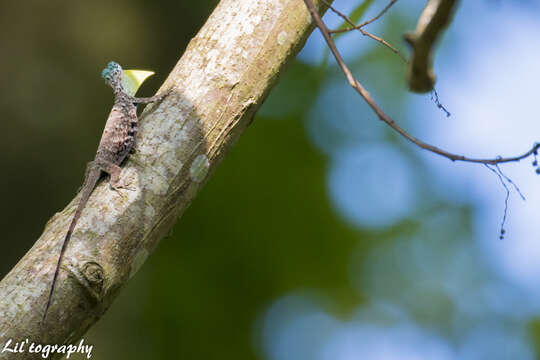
(112, 74)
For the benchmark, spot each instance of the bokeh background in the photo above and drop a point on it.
(323, 235)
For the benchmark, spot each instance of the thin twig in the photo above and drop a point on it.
(356, 27)
(500, 176)
(435, 98)
(510, 182)
(387, 119)
(363, 32)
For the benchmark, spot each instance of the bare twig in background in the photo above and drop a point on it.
(363, 32)
(505, 180)
(357, 27)
(383, 11)
(434, 95)
(432, 22)
(516, 188)
(505, 213)
(387, 119)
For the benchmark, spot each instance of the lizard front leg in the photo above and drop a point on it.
(146, 100)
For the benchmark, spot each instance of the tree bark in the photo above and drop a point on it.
(223, 77)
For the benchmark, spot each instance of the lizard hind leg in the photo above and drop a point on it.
(114, 172)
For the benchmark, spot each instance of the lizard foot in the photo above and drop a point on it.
(115, 183)
(119, 184)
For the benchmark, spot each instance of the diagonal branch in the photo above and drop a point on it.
(225, 74)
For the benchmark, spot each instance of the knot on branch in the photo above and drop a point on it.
(94, 275)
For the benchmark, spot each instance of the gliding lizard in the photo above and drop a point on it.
(116, 143)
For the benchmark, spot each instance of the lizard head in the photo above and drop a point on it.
(112, 74)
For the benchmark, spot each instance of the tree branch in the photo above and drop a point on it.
(224, 76)
(432, 22)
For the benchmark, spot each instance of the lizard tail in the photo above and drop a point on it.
(88, 187)
(57, 270)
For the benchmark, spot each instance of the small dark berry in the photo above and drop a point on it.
(501, 237)
(534, 163)
(538, 170)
